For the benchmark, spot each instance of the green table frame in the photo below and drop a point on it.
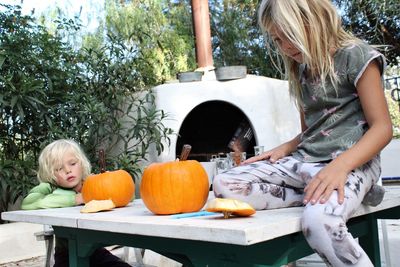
(275, 252)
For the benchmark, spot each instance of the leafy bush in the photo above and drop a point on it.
(49, 90)
(394, 109)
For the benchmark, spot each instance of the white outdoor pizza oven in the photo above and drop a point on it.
(206, 114)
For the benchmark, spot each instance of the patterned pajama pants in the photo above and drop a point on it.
(267, 185)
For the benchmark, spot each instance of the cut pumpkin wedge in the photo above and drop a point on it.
(230, 207)
(98, 205)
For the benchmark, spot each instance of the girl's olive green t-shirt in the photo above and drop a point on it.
(334, 117)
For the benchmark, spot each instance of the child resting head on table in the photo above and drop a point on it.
(62, 168)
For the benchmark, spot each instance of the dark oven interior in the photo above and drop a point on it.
(209, 128)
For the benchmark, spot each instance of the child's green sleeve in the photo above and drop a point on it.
(44, 196)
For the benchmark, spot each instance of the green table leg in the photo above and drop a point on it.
(79, 250)
(370, 242)
(76, 259)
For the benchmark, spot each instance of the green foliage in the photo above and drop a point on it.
(162, 32)
(375, 21)
(394, 109)
(237, 39)
(16, 180)
(49, 90)
(148, 28)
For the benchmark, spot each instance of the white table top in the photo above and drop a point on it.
(137, 219)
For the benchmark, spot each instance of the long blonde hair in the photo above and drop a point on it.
(312, 26)
(52, 155)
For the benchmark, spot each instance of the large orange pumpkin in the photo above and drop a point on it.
(174, 187)
(115, 185)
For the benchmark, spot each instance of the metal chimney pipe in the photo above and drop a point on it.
(202, 32)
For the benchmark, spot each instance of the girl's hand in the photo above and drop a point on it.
(272, 155)
(79, 199)
(331, 177)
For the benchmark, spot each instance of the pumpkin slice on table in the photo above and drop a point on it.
(229, 207)
(98, 205)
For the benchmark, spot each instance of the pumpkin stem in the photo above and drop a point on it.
(102, 161)
(185, 152)
(227, 214)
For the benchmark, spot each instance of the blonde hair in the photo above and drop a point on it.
(314, 28)
(51, 158)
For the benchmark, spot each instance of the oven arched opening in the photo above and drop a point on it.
(209, 127)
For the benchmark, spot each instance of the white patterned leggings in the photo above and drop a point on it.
(267, 185)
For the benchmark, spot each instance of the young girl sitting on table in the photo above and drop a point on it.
(62, 168)
(330, 166)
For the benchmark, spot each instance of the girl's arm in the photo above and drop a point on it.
(282, 150)
(379, 134)
(44, 196)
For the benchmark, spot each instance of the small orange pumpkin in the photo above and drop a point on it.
(115, 185)
(174, 187)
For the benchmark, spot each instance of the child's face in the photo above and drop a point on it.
(69, 174)
(285, 45)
